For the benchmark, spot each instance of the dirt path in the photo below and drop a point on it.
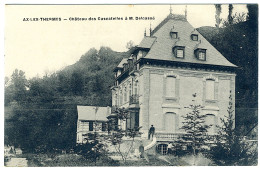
(17, 162)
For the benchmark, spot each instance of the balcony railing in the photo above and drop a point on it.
(168, 136)
(175, 136)
(113, 109)
(134, 99)
(132, 68)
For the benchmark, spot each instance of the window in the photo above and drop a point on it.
(116, 100)
(90, 126)
(162, 149)
(178, 51)
(104, 126)
(118, 72)
(194, 37)
(170, 86)
(125, 94)
(170, 122)
(120, 98)
(136, 87)
(130, 91)
(210, 121)
(174, 35)
(202, 55)
(210, 89)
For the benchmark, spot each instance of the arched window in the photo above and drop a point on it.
(210, 89)
(170, 86)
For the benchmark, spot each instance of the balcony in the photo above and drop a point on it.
(133, 70)
(134, 99)
(113, 109)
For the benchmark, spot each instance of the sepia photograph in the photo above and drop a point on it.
(138, 85)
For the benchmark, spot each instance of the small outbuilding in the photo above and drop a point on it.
(91, 119)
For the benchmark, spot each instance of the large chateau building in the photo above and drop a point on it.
(158, 80)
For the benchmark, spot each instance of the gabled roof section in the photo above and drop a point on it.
(87, 113)
(147, 42)
(123, 61)
(162, 47)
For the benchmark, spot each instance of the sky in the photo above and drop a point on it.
(39, 47)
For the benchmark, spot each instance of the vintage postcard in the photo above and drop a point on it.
(131, 85)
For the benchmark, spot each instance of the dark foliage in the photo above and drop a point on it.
(217, 15)
(195, 129)
(231, 148)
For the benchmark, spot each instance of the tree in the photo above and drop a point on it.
(76, 82)
(117, 135)
(236, 18)
(217, 15)
(195, 128)
(18, 86)
(6, 81)
(252, 12)
(129, 44)
(239, 17)
(231, 148)
(230, 16)
(252, 16)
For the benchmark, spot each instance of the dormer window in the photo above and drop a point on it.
(174, 35)
(125, 66)
(194, 37)
(200, 54)
(179, 51)
(139, 55)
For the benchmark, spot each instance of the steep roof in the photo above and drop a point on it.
(147, 42)
(162, 48)
(88, 113)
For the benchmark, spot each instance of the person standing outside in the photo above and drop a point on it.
(151, 132)
(170, 148)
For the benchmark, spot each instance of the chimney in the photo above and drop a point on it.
(150, 29)
(186, 12)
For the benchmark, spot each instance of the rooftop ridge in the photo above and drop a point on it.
(170, 16)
